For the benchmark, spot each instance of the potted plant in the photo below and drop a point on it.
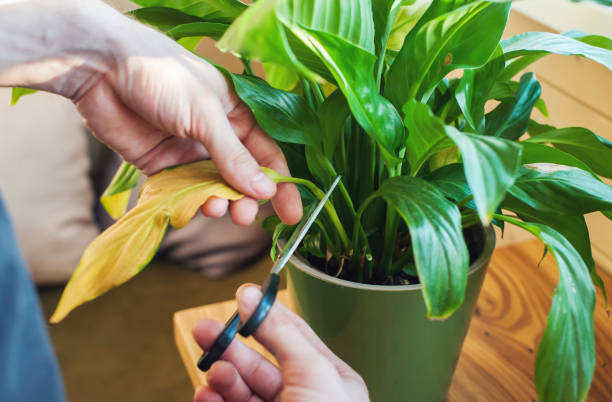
(391, 272)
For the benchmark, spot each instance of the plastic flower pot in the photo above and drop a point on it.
(382, 331)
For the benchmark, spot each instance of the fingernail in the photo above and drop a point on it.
(263, 185)
(248, 298)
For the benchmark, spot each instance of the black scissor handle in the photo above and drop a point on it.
(222, 342)
(233, 325)
(269, 290)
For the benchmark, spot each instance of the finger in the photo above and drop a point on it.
(233, 160)
(278, 332)
(259, 373)
(287, 202)
(225, 379)
(215, 207)
(282, 330)
(244, 211)
(207, 394)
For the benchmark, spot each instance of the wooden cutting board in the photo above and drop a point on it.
(498, 357)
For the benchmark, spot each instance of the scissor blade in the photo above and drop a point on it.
(301, 230)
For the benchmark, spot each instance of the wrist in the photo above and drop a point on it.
(60, 46)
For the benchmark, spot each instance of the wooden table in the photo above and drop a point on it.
(498, 357)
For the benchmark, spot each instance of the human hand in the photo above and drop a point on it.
(308, 370)
(159, 105)
(144, 96)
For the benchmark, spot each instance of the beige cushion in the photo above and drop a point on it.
(44, 181)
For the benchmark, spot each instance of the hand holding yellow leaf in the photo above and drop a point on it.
(126, 247)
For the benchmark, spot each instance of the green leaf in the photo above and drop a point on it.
(565, 360)
(546, 43)
(474, 87)
(342, 41)
(407, 17)
(259, 35)
(209, 10)
(440, 253)
(383, 14)
(162, 18)
(190, 43)
(348, 57)
(117, 195)
(212, 30)
(490, 164)
(573, 228)
(333, 113)
(560, 189)
(427, 135)
(582, 143)
(285, 116)
(539, 153)
(17, 93)
(451, 181)
(280, 77)
(505, 91)
(511, 119)
(442, 44)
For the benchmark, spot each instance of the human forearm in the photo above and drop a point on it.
(59, 46)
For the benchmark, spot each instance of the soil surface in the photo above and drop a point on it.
(474, 239)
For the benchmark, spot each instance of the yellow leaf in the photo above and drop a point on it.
(124, 249)
(116, 204)
(117, 195)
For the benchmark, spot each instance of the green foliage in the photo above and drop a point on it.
(360, 88)
(17, 93)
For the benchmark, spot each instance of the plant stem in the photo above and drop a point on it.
(329, 207)
(464, 201)
(248, 70)
(318, 92)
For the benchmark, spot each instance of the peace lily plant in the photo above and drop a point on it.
(361, 89)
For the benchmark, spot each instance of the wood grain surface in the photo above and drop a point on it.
(498, 357)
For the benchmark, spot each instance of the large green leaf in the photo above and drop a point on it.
(407, 17)
(573, 228)
(427, 134)
(539, 153)
(542, 43)
(582, 143)
(343, 42)
(491, 164)
(209, 10)
(565, 360)
(212, 30)
(285, 116)
(259, 35)
(462, 38)
(349, 58)
(440, 254)
(511, 119)
(560, 189)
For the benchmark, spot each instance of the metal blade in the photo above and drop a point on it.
(301, 230)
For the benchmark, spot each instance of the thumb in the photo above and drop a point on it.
(233, 160)
(278, 332)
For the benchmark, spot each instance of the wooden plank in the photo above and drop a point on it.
(498, 356)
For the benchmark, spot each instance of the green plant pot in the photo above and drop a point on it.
(382, 332)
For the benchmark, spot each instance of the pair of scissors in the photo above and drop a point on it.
(269, 290)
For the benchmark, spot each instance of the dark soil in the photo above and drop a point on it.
(474, 239)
